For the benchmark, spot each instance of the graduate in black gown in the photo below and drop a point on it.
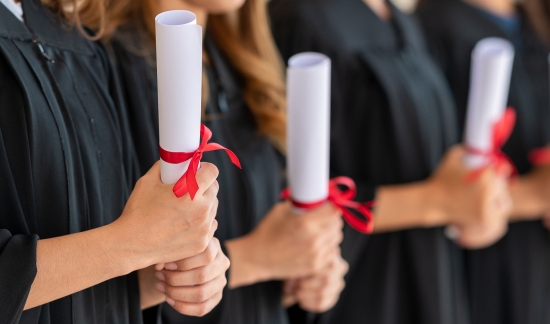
(510, 281)
(245, 109)
(393, 119)
(67, 166)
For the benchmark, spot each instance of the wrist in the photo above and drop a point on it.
(245, 268)
(527, 197)
(408, 206)
(117, 243)
(433, 201)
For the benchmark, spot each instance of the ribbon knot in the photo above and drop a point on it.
(502, 129)
(188, 181)
(343, 200)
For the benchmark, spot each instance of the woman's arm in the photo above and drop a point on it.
(71, 263)
(155, 227)
(531, 195)
(446, 198)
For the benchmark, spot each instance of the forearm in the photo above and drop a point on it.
(244, 271)
(149, 295)
(71, 263)
(400, 207)
(528, 203)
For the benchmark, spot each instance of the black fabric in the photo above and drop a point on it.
(245, 195)
(66, 162)
(392, 121)
(510, 281)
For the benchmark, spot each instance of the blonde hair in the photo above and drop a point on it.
(243, 36)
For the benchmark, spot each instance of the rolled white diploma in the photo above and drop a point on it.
(491, 71)
(179, 70)
(308, 127)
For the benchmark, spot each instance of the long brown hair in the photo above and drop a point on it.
(538, 12)
(243, 36)
(81, 11)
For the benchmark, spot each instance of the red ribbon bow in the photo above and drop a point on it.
(343, 200)
(540, 156)
(188, 182)
(502, 163)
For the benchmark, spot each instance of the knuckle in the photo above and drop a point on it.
(180, 308)
(202, 310)
(226, 263)
(201, 276)
(169, 279)
(201, 295)
(211, 253)
(210, 170)
(224, 282)
(318, 306)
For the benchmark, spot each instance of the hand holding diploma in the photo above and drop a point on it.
(488, 126)
(183, 140)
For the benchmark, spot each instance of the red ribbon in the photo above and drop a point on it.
(502, 163)
(540, 156)
(343, 200)
(188, 182)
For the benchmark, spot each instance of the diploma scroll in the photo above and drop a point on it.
(179, 70)
(308, 128)
(492, 60)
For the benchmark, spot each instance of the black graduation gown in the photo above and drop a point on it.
(245, 195)
(510, 281)
(65, 162)
(392, 121)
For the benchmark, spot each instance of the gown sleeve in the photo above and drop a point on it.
(17, 252)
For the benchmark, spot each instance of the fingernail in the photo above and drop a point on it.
(159, 275)
(160, 287)
(170, 301)
(171, 266)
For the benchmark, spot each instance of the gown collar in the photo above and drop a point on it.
(359, 28)
(44, 26)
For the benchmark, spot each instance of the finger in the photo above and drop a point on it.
(195, 309)
(212, 191)
(331, 246)
(197, 276)
(333, 226)
(206, 175)
(320, 301)
(214, 210)
(332, 274)
(323, 215)
(546, 222)
(477, 237)
(332, 288)
(205, 258)
(289, 300)
(290, 286)
(194, 294)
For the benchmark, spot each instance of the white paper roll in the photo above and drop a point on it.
(308, 95)
(492, 60)
(179, 70)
